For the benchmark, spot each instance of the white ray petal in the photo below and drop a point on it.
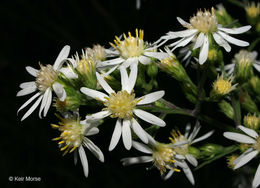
(248, 131)
(124, 77)
(126, 134)
(27, 84)
(204, 50)
(43, 103)
(238, 30)
(94, 94)
(183, 33)
(116, 135)
(29, 101)
(199, 41)
(168, 175)
(141, 147)
(246, 158)
(257, 67)
(144, 60)
(32, 71)
(132, 77)
(233, 40)
(150, 118)
(92, 131)
(64, 53)
(136, 160)
(98, 115)
(110, 62)
(221, 42)
(189, 175)
(104, 84)
(205, 136)
(130, 61)
(256, 180)
(182, 22)
(94, 149)
(156, 55)
(34, 106)
(184, 42)
(84, 160)
(239, 137)
(187, 130)
(68, 72)
(242, 155)
(27, 90)
(110, 71)
(150, 98)
(59, 91)
(48, 102)
(139, 131)
(195, 131)
(192, 160)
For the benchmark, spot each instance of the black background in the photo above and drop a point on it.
(33, 31)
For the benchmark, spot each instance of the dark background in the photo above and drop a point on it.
(33, 31)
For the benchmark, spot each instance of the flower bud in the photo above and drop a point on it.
(252, 12)
(226, 109)
(247, 103)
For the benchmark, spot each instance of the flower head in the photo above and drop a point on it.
(74, 137)
(202, 26)
(252, 139)
(131, 50)
(45, 81)
(252, 121)
(124, 106)
(223, 86)
(253, 10)
(242, 64)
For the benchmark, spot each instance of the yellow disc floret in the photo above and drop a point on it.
(178, 137)
(163, 157)
(130, 46)
(206, 21)
(253, 10)
(223, 86)
(251, 121)
(71, 136)
(121, 104)
(257, 145)
(230, 161)
(46, 76)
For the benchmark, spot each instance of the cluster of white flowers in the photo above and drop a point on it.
(80, 80)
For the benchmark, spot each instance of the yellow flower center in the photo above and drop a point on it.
(96, 53)
(71, 134)
(222, 87)
(46, 76)
(205, 22)
(121, 104)
(163, 156)
(251, 121)
(230, 161)
(253, 10)
(86, 66)
(212, 55)
(244, 58)
(178, 137)
(130, 46)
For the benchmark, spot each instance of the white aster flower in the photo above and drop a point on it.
(182, 142)
(130, 51)
(73, 137)
(243, 59)
(252, 139)
(201, 27)
(45, 82)
(122, 105)
(163, 158)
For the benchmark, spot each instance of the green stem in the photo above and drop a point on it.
(253, 44)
